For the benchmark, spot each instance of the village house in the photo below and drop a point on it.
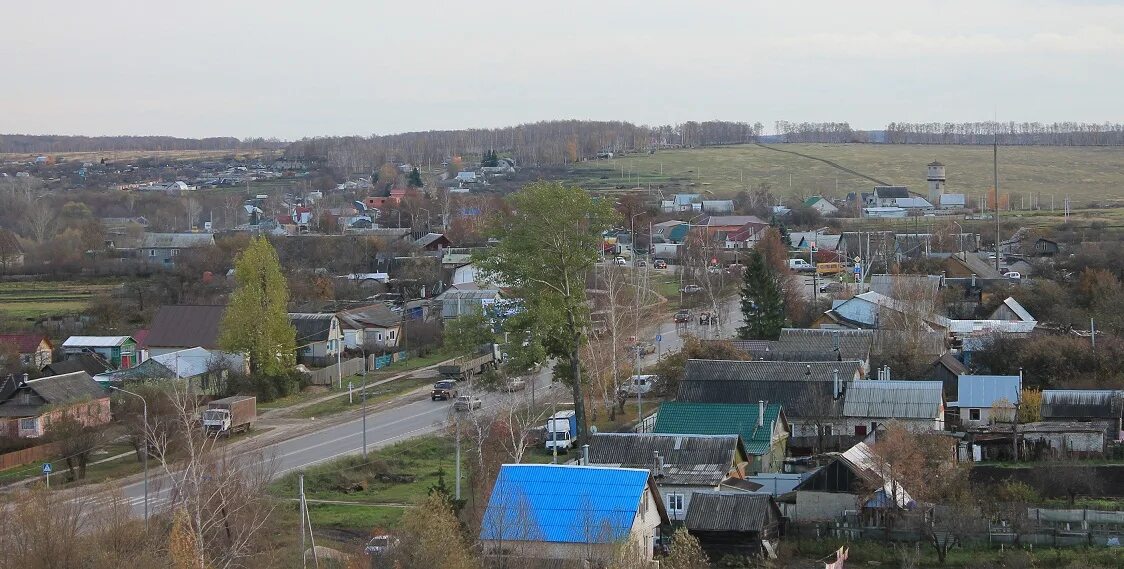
(916, 405)
(967, 265)
(27, 408)
(196, 368)
(855, 480)
(734, 523)
(371, 325)
(1069, 439)
(162, 248)
(813, 345)
(762, 427)
(120, 352)
(985, 399)
(822, 205)
(34, 349)
(319, 338)
(179, 327)
(682, 464)
(90, 363)
(433, 242)
(455, 303)
(811, 394)
(1046, 247)
(580, 514)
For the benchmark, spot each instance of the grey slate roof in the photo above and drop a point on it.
(374, 315)
(186, 326)
(730, 511)
(1082, 403)
(811, 345)
(696, 460)
(805, 389)
(891, 191)
(177, 240)
(54, 390)
(311, 327)
(896, 399)
(889, 285)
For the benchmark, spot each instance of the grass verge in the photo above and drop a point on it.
(375, 395)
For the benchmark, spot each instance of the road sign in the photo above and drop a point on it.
(858, 270)
(659, 337)
(46, 468)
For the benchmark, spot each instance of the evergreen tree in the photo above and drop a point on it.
(256, 321)
(491, 159)
(762, 301)
(415, 181)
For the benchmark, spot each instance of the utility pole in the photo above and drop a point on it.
(995, 171)
(300, 498)
(457, 426)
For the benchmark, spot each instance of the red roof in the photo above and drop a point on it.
(24, 343)
(141, 336)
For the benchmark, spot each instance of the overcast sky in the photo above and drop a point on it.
(292, 69)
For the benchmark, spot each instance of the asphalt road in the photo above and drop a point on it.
(412, 419)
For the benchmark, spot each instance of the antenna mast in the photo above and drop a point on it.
(995, 171)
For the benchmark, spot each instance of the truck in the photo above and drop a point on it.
(561, 428)
(230, 415)
(465, 367)
(830, 268)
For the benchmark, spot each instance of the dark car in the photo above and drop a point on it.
(660, 264)
(444, 390)
(683, 316)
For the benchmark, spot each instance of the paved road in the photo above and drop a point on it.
(417, 418)
(384, 428)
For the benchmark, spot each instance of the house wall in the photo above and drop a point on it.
(353, 338)
(986, 414)
(89, 413)
(685, 491)
(1070, 442)
(848, 424)
(388, 337)
(822, 506)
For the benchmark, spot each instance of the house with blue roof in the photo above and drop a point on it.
(986, 399)
(571, 513)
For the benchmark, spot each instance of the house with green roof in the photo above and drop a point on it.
(821, 204)
(762, 426)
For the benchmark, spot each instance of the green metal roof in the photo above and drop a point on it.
(678, 234)
(812, 201)
(680, 417)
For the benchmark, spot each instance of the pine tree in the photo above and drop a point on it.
(762, 301)
(491, 159)
(256, 321)
(415, 180)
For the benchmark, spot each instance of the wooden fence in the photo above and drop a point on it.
(28, 455)
(331, 374)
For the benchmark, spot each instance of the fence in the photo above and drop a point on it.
(379, 362)
(332, 373)
(28, 455)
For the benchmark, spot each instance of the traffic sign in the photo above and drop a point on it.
(659, 337)
(46, 468)
(858, 270)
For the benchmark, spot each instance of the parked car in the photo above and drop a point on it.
(644, 348)
(660, 264)
(714, 269)
(621, 261)
(683, 316)
(379, 545)
(831, 287)
(444, 390)
(1013, 275)
(467, 403)
(800, 265)
(641, 263)
(690, 289)
(516, 384)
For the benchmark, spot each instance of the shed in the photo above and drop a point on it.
(733, 523)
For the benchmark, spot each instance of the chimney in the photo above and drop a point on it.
(585, 455)
(760, 413)
(657, 468)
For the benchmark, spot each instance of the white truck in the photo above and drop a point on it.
(561, 428)
(230, 415)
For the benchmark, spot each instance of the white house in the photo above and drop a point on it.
(986, 399)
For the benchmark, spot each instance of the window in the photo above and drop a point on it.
(152, 252)
(675, 503)
(827, 430)
(860, 430)
(29, 425)
(973, 414)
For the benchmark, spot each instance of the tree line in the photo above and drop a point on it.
(48, 143)
(1016, 133)
(546, 143)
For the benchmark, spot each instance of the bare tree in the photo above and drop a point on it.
(39, 220)
(221, 496)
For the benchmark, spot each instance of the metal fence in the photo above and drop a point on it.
(385, 360)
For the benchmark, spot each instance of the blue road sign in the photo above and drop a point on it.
(46, 468)
(659, 337)
(858, 270)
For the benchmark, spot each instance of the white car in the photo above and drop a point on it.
(1013, 275)
(621, 261)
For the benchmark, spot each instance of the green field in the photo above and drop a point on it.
(36, 299)
(1085, 173)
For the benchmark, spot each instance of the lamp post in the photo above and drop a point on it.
(145, 439)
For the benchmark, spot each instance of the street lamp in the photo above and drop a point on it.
(959, 237)
(145, 438)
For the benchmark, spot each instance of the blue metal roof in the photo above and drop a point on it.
(984, 390)
(568, 504)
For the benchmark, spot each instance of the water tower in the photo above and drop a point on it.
(936, 182)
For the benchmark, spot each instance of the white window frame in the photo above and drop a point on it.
(676, 499)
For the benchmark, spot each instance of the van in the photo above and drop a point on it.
(638, 384)
(800, 265)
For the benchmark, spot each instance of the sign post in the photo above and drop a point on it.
(47, 473)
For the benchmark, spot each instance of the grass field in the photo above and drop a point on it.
(129, 155)
(1085, 173)
(31, 300)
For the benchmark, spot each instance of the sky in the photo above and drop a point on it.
(291, 69)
